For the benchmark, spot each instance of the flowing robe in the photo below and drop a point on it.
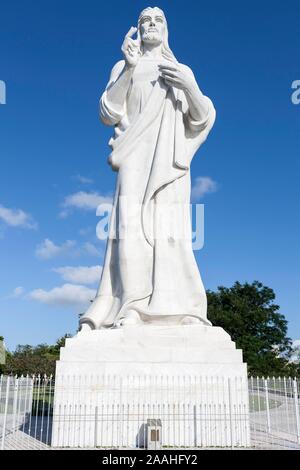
(146, 267)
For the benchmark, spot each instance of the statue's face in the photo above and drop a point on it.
(152, 27)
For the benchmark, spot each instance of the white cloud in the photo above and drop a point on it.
(203, 185)
(47, 249)
(17, 218)
(83, 232)
(80, 274)
(67, 295)
(83, 200)
(64, 214)
(83, 179)
(295, 357)
(91, 250)
(18, 291)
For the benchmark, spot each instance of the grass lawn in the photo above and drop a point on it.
(258, 403)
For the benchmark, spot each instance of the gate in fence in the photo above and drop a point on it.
(29, 420)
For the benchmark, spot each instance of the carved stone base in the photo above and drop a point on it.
(109, 383)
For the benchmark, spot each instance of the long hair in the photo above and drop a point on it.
(166, 50)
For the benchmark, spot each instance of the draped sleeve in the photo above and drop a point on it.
(193, 126)
(109, 114)
(190, 133)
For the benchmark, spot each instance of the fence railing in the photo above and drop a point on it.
(29, 418)
(274, 411)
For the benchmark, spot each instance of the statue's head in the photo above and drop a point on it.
(152, 25)
(153, 29)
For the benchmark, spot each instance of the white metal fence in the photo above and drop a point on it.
(274, 418)
(112, 411)
(28, 416)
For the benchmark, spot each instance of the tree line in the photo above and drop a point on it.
(247, 312)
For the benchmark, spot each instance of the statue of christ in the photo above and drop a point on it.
(160, 119)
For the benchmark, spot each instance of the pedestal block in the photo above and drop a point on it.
(109, 383)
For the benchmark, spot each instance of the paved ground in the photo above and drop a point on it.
(279, 428)
(277, 432)
(20, 441)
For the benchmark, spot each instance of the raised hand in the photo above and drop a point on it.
(177, 75)
(181, 77)
(131, 48)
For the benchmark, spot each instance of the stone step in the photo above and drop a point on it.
(147, 336)
(152, 354)
(86, 369)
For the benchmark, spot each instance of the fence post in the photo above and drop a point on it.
(120, 437)
(267, 406)
(96, 427)
(195, 425)
(1, 381)
(296, 403)
(5, 413)
(15, 402)
(230, 412)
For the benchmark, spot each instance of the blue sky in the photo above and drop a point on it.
(55, 58)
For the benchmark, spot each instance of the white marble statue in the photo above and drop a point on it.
(160, 119)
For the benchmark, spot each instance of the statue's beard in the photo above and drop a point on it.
(152, 38)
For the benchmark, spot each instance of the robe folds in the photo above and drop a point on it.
(149, 263)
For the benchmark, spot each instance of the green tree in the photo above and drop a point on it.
(40, 359)
(248, 313)
(2, 354)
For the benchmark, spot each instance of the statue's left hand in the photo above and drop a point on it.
(177, 75)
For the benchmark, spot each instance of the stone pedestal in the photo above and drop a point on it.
(110, 382)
